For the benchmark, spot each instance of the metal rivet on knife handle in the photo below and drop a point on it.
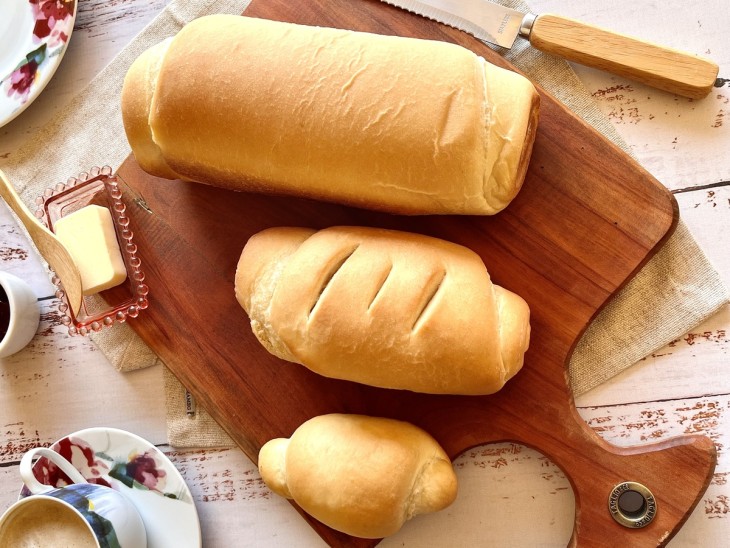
(657, 66)
(526, 26)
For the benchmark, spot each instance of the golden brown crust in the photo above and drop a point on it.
(257, 275)
(396, 124)
(382, 307)
(512, 107)
(529, 140)
(364, 476)
(137, 92)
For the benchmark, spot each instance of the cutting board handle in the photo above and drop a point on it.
(676, 472)
(686, 461)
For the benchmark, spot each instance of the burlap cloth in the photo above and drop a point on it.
(675, 291)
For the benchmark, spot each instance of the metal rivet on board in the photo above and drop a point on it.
(632, 505)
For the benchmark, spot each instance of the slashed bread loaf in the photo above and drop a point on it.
(382, 122)
(364, 476)
(382, 307)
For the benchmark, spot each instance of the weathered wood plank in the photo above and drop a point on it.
(19, 258)
(59, 384)
(679, 141)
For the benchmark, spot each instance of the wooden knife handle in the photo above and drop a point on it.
(663, 68)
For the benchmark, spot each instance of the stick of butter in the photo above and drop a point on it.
(89, 236)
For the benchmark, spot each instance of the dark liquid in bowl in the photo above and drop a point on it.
(4, 313)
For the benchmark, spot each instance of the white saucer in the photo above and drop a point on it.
(33, 39)
(133, 466)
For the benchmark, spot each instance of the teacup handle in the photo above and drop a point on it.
(26, 469)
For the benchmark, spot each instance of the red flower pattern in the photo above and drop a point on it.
(140, 470)
(22, 79)
(143, 469)
(48, 14)
(53, 20)
(78, 453)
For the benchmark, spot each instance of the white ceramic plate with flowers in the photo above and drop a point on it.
(136, 468)
(33, 38)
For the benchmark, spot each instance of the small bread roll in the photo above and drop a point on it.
(382, 122)
(382, 307)
(364, 476)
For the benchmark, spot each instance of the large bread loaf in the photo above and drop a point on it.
(390, 123)
(364, 476)
(381, 307)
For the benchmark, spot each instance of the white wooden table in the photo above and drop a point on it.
(58, 384)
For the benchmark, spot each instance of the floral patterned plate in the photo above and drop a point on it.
(33, 39)
(136, 468)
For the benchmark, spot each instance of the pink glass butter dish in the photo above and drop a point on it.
(115, 305)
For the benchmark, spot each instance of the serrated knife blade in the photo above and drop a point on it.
(490, 22)
(658, 66)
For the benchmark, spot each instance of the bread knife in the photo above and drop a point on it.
(657, 66)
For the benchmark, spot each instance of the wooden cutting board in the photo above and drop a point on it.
(587, 219)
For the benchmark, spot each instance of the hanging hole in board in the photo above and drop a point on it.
(632, 504)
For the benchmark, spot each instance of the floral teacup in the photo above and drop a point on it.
(83, 514)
